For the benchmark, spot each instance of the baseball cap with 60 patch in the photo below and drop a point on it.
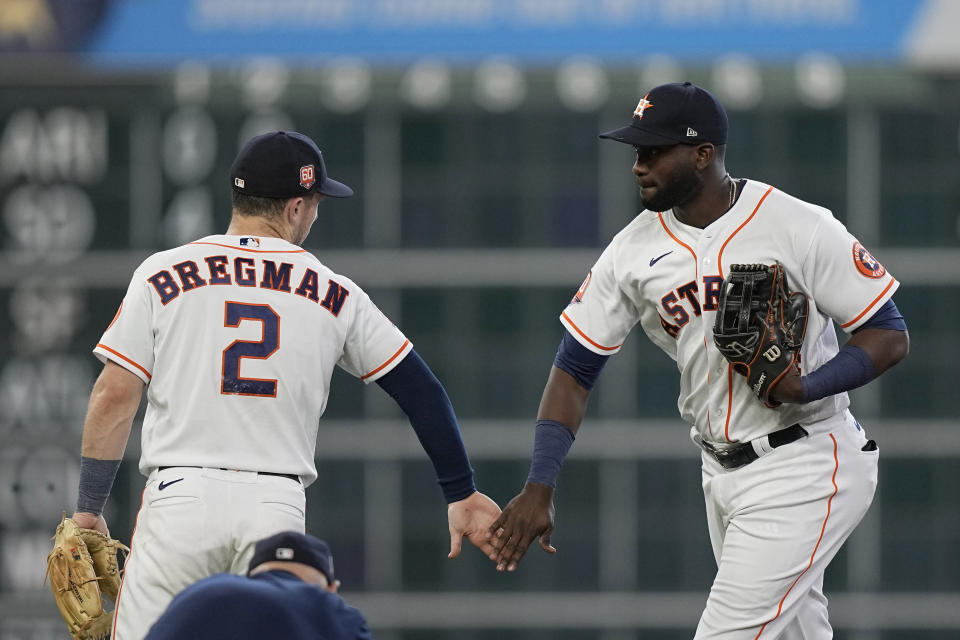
(293, 546)
(283, 164)
(674, 113)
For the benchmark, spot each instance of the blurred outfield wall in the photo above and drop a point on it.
(484, 196)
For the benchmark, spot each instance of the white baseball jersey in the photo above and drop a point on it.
(237, 338)
(666, 275)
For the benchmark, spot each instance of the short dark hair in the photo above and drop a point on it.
(257, 206)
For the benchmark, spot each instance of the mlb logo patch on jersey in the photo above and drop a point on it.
(866, 263)
(583, 288)
(250, 242)
(307, 176)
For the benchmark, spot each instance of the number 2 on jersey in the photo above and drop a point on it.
(231, 382)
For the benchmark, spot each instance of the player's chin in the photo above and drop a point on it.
(648, 197)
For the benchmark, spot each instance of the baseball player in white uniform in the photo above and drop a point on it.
(784, 486)
(235, 338)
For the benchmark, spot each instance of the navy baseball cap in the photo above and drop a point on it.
(293, 546)
(675, 113)
(283, 164)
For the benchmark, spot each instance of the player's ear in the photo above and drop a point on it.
(704, 155)
(293, 208)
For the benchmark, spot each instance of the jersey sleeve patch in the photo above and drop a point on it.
(866, 264)
(583, 289)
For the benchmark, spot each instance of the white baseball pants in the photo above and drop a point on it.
(203, 521)
(775, 524)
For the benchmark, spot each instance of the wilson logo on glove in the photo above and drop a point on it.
(757, 315)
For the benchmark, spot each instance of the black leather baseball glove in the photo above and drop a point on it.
(760, 325)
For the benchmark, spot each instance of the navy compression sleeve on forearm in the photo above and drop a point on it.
(852, 366)
(849, 369)
(551, 443)
(96, 480)
(421, 396)
(581, 363)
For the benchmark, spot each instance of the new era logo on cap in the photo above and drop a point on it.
(238, 182)
(691, 133)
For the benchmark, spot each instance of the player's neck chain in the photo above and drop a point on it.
(733, 191)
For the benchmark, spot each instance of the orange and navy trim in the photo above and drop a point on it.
(586, 337)
(892, 282)
(737, 230)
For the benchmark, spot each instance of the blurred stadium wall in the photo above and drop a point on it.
(484, 196)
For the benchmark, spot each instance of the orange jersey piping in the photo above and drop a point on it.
(836, 467)
(120, 355)
(726, 426)
(737, 230)
(696, 262)
(392, 358)
(230, 246)
(870, 306)
(587, 338)
(116, 608)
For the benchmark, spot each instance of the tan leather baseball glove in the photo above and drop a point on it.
(82, 568)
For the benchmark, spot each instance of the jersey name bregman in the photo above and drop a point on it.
(246, 272)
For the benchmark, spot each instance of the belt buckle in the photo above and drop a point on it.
(729, 458)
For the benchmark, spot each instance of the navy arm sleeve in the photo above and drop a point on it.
(886, 317)
(581, 363)
(421, 396)
(851, 367)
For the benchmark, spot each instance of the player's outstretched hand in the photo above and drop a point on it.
(471, 517)
(529, 515)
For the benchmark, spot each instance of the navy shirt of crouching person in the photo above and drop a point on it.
(289, 592)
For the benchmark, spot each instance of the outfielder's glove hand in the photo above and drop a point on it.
(83, 566)
(760, 325)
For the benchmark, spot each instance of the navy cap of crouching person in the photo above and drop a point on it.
(283, 164)
(674, 113)
(293, 546)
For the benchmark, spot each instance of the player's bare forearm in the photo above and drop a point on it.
(113, 405)
(886, 347)
(563, 400)
(531, 513)
(789, 389)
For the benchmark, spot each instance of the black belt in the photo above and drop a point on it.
(289, 476)
(743, 454)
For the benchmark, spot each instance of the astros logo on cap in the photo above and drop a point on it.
(641, 106)
(866, 263)
(307, 176)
